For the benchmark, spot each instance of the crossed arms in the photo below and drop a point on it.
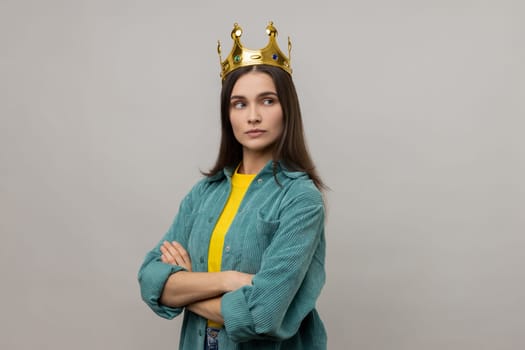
(199, 292)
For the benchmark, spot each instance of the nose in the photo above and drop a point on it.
(254, 115)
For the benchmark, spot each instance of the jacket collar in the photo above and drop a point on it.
(267, 171)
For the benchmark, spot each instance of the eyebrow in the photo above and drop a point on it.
(262, 94)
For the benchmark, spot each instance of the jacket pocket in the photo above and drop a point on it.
(256, 242)
(189, 219)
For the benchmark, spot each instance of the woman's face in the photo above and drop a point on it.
(256, 115)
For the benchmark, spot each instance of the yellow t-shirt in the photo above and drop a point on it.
(240, 183)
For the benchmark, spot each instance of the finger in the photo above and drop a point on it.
(173, 252)
(182, 252)
(179, 254)
(167, 260)
(164, 247)
(166, 256)
(165, 251)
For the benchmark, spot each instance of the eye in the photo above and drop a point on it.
(268, 101)
(238, 104)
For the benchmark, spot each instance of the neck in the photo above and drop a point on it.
(252, 163)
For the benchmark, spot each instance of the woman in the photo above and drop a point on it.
(245, 254)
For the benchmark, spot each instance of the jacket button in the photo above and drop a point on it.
(227, 248)
(259, 181)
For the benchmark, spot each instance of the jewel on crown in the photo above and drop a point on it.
(241, 56)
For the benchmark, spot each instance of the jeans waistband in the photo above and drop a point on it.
(212, 339)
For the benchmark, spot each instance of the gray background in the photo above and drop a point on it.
(413, 112)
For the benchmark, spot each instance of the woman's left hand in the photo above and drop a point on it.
(173, 253)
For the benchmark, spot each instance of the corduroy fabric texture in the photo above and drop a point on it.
(278, 235)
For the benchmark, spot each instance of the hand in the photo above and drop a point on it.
(234, 280)
(173, 253)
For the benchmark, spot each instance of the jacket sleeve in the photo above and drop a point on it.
(289, 281)
(153, 273)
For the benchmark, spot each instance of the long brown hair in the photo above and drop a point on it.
(290, 148)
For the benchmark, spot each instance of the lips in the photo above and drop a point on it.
(255, 132)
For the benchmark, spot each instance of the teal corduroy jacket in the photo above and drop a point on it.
(278, 235)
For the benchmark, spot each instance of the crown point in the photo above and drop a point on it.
(237, 31)
(271, 30)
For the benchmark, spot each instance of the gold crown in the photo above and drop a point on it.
(241, 56)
